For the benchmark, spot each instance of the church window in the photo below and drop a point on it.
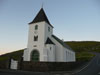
(49, 29)
(36, 27)
(35, 56)
(35, 38)
(50, 48)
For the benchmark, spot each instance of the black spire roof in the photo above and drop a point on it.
(41, 16)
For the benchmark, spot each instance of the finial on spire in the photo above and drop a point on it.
(42, 4)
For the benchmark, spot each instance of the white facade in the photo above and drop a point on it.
(46, 47)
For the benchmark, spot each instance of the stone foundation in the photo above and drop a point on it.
(48, 66)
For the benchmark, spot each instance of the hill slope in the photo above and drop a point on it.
(15, 55)
(82, 49)
(84, 46)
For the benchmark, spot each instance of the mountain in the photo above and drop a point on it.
(83, 50)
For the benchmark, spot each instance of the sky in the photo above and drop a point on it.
(73, 20)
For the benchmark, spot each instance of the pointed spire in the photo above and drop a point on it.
(42, 5)
(41, 16)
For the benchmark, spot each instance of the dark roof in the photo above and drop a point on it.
(49, 41)
(61, 42)
(41, 16)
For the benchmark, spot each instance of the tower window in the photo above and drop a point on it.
(36, 27)
(49, 29)
(35, 38)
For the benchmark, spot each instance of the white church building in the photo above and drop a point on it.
(43, 46)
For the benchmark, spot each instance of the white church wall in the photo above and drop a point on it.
(51, 52)
(58, 51)
(25, 55)
(65, 54)
(74, 59)
(45, 54)
(48, 33)
(69, 55)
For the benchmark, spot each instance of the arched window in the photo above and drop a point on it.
(35, 56)
(36, 27)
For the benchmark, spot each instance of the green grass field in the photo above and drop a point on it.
(83, 51)
(84, 46)
(16, 55)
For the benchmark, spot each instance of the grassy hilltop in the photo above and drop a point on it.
(84, 46)
(15, 55)
(83, 50)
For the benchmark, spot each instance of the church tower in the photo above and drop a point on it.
(40, 30)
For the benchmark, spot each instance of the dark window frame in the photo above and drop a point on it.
(35, 38)
(49, 29)
(36, 27)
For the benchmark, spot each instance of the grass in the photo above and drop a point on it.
(16, 55)
(82, 49)
(84, 46)
(84, 56)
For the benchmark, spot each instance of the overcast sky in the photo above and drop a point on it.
(73, 20)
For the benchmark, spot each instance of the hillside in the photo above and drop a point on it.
(84, 46)
(82, 49)
(15, 55)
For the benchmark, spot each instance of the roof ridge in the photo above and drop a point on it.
(62, 43)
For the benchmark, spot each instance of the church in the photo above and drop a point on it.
(43, 45)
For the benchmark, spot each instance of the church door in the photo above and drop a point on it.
(35, 56)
